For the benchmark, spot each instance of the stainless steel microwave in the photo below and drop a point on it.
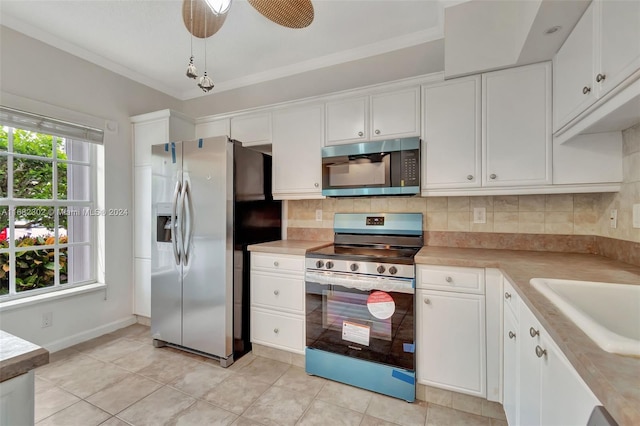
(390, 167)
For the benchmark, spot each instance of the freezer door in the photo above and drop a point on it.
(208, 235)
(166, 271)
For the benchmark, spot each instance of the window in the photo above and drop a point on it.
(47, 209)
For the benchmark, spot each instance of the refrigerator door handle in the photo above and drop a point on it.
(175, 232)
(188, 231)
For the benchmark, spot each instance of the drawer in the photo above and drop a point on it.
(445, 278)
(277, 262)
(511, 299)
(277, 291)
(277, 330)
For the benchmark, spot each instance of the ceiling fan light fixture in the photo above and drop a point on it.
(219, 7)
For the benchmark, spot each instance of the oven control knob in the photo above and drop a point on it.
(393, 270)
(380, 269)
(329, 264)
(319, 264)
(354, 267)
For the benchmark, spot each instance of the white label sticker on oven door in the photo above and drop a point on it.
(356, 333)
(381, 304)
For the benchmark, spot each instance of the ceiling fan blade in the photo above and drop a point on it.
(200, 10)
(288, 13)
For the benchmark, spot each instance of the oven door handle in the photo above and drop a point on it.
(360, 282)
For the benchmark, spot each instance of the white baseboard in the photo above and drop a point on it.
(68, 341)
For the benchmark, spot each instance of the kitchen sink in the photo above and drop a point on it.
(608, 313)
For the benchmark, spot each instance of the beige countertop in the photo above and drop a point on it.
(17, 356)
(614, 379)
(289, 246)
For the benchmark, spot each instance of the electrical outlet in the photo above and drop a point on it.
(319, 215)
(613, 218)
(47, 319)
(479, 215)
(636, 215)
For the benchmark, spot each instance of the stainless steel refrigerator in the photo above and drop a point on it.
(211, 198)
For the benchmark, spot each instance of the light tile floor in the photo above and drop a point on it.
(120, 379)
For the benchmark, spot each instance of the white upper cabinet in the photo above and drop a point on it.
(396, 114)
(379, 116)
(573, 71)
(619, 38)
(348, 121)
(516, 123)
(251, 130)
(602, 51)
(298, 134)
(451, 144)
(209, 129)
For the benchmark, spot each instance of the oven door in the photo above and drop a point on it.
(369, 318)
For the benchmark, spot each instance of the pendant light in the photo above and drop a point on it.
(205, 83)
(192, 71)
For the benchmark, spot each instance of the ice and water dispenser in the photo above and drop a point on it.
(163, 222)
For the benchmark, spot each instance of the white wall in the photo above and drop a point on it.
(33, 70)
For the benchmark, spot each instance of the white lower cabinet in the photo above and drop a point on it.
(541, 387)
(277, 301)
(450, 330)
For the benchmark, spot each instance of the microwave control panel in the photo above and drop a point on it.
(410, 169)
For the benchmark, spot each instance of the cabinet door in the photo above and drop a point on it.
(211, 129)
(510, 365)
(573, 72)
(528, 369)
(516, 118)
(565, 398)
(451, 341)
(252, 129)
(347, 121)
(619, 42)
(451, 134)
(298, 134)
(396, 114)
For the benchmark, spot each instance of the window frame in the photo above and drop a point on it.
(11, 203)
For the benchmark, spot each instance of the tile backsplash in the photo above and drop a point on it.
(561, 214)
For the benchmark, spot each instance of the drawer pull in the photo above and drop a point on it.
(586, 90)
(276, 330)
(276, 292)
(540, 352)
(427, 301)
(448, 279)
(600, 78)
(533, 332)
(276, 264)
(512, 335)
(507, 295)
(360, 134)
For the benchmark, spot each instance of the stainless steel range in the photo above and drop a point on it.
(359, 303)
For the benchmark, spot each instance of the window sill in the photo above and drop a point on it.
(47, 297)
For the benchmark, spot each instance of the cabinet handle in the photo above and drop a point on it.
(533, 332)
(276, 292)
(512, 335)
(448, 279)
(275, 330)
(316, 184)
(507, 295)
(469, 177)
(427, 301)
(377, 132)
(586, 90)
(600, 78)
(493, 176)
(360, 133)
(540, 352)
(276, 264)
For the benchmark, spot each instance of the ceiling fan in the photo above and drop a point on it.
(203, 18)
(209, 15)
